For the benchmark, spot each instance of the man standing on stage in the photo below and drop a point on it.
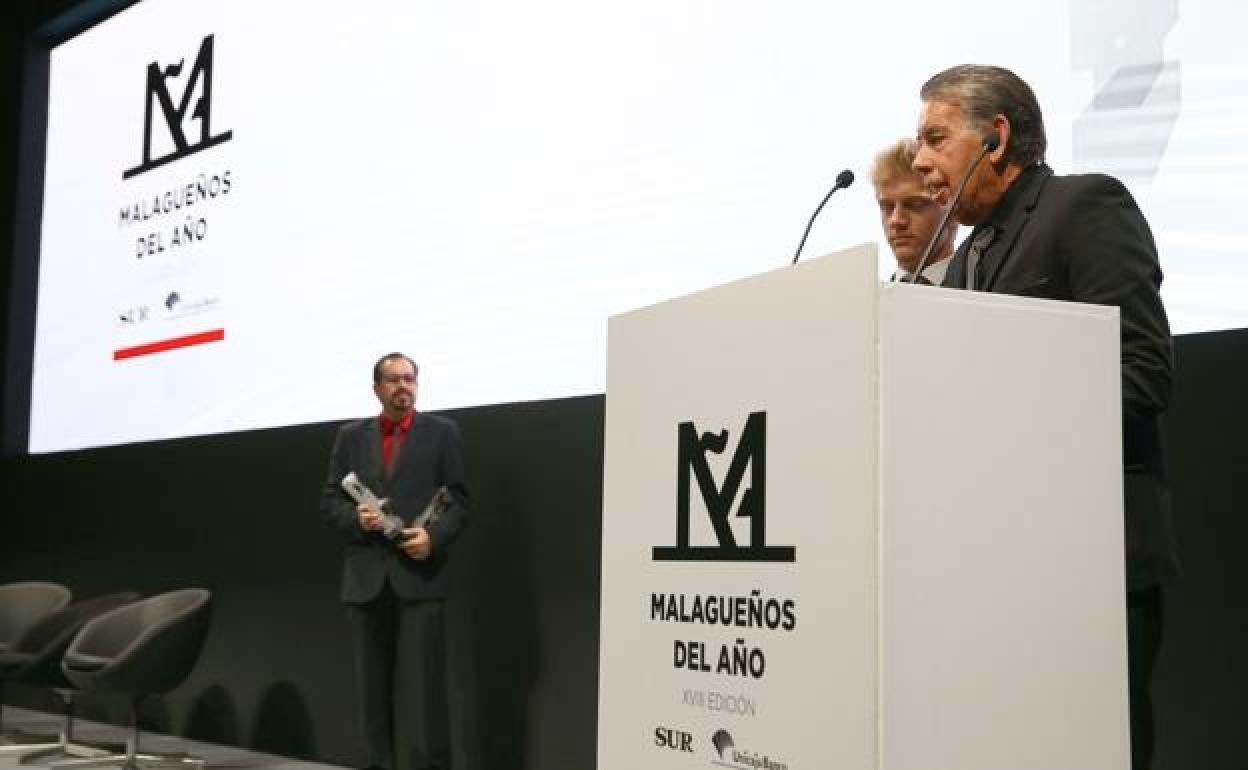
(395, 578)
(909, 215)
(1080, 238)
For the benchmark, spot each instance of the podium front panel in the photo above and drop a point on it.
(738, 622)
(1002, 571)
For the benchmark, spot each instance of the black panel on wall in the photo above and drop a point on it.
(238, 514)
(1202, 676)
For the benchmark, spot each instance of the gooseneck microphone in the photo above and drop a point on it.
(990, 143)
(843, 180)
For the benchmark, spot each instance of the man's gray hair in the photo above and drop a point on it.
(982, 92)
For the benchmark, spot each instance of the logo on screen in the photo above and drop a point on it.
(176, 116)
(136, 314)
(692, 462)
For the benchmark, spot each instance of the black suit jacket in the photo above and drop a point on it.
(431, 456)
(1083, 238)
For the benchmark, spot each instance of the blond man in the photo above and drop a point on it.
(910, 215)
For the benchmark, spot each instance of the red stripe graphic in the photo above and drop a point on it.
(160, 346)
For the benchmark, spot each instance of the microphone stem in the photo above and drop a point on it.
(931, 244)
(810, 223)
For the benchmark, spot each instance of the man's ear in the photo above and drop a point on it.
(1000, 126)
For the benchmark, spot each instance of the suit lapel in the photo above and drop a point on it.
(1002, 246)
(955, 275)
(372, 453)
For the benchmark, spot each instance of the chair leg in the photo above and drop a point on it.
(132, 759)
(12, 741)
(66, 747)
(126, 760)
(58, 751)
(12, 744)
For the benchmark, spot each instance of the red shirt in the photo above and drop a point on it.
(392, 439)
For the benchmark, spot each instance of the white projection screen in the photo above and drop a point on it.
(246, 203)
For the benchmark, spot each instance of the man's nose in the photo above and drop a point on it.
(922, 163)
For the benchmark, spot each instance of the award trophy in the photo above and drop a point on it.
(391, 525)
(440, 501)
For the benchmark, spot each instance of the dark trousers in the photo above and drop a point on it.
(1144, 622)
(400, 669)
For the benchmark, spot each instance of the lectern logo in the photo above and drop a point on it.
(728, 755)
(176, 116)
(691, 456)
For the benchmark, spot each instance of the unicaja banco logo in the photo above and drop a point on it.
(742, 759)
(176, 116)
(692, 462)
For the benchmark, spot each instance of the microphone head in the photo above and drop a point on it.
(844, 179)
(992, 141)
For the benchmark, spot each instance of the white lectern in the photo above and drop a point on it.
(860, 526)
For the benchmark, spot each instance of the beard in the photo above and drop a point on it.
(401, 401)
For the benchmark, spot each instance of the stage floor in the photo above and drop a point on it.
(215, 756)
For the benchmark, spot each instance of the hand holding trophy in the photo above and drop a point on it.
(391, 525)
(440, 501)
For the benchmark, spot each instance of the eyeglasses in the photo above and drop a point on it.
(395, 379)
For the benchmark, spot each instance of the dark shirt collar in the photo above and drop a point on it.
(1015, 194)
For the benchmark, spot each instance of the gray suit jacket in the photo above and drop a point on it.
(430, 457)
(1083, 238)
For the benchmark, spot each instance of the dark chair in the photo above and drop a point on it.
(142, 649)
(42, 649)
(22, 605)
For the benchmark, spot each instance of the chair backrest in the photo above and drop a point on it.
(48, 639)
(148, 646)
(22, 605)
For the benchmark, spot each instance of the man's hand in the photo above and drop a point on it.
(416, 543)
(370, 520)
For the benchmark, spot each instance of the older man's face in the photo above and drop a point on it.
(947, 146)
(909, 216)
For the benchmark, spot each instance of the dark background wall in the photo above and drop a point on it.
(1202, 676)
(237, 514)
